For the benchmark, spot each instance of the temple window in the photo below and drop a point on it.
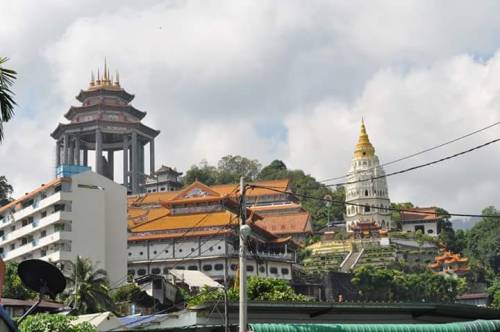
(367, 208)
(366, 192)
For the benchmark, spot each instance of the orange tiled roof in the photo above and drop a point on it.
(172, 222)
(31, 194)
(232, 189)
(419, 214)
(265, 208)
(222, 190)
(286, 223)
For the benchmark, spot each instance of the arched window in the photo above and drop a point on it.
(366, 192)
(367, 208)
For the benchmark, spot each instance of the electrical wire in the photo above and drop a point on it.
(422, 151)
(380, 208)
(415, 167)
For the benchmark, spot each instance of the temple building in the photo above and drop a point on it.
(197, 229)
(368, 195)
(105, 122)
(450, 263)
(424, 219)
(164, 179)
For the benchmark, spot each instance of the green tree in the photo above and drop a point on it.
(131, 293)
(377, 284)
(259, 289)
(494, 291)
(275, 170)
(308, 191)
(396, 215)
(203, 172)
(88, 288)
(483, 240)
(230, 168)
(5, 191)
(13, 286)
(7, 103)
(54, 323)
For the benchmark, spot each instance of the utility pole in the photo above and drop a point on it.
(226, 299)
(244, 232)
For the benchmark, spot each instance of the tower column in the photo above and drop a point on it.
(71, 150)
(111, 164)
(134, 162)
(125, 161)
(66, 149)
(98, 151)
(58, 153)
(141, 162)
(85, 157)
(152, 157)
(77, 150)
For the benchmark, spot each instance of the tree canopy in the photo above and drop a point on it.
(229, 170)
(5, 191)
(259, 289)
(13, 286)
(54, 323)
(88, 288)
(483, 241)
(380, 284)
(7, 102)
(311, 193)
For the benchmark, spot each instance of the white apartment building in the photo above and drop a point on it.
(82, 215)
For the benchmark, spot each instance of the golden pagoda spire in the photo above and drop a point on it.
(117, 79)
(105, 70)
(92, 79)
(364, 148)
(98, 82)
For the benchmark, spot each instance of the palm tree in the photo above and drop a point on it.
(7, 103)
(88, 290)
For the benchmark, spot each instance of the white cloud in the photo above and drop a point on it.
(211, 73)
(406, 112)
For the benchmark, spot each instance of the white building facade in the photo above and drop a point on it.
(365, 189)
(209, 255)
(82, 215)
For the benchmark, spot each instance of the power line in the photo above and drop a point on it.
(379, 208)
(422, 151)
(415, 167)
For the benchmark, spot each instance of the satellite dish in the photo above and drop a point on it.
(41, 277)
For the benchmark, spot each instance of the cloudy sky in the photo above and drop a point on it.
(272, 80)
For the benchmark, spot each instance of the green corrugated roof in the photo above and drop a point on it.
(473, 326)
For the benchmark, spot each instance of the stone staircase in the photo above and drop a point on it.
(351, 259)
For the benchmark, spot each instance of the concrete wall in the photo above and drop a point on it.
(100, 214)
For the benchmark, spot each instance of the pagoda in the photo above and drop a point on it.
(450, 263)
(104, 123)
(366, 190)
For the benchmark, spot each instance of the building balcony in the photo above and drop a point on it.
(34, 226)
(36, 207)
(35, 245)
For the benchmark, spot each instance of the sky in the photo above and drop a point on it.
(271, 80)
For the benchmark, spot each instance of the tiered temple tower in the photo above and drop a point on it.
(106, 122)
(372, 194)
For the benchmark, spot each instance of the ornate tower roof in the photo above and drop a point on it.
(364, 148)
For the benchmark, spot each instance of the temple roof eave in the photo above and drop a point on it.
(83, 94)
(56, 134)
(99, 107)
